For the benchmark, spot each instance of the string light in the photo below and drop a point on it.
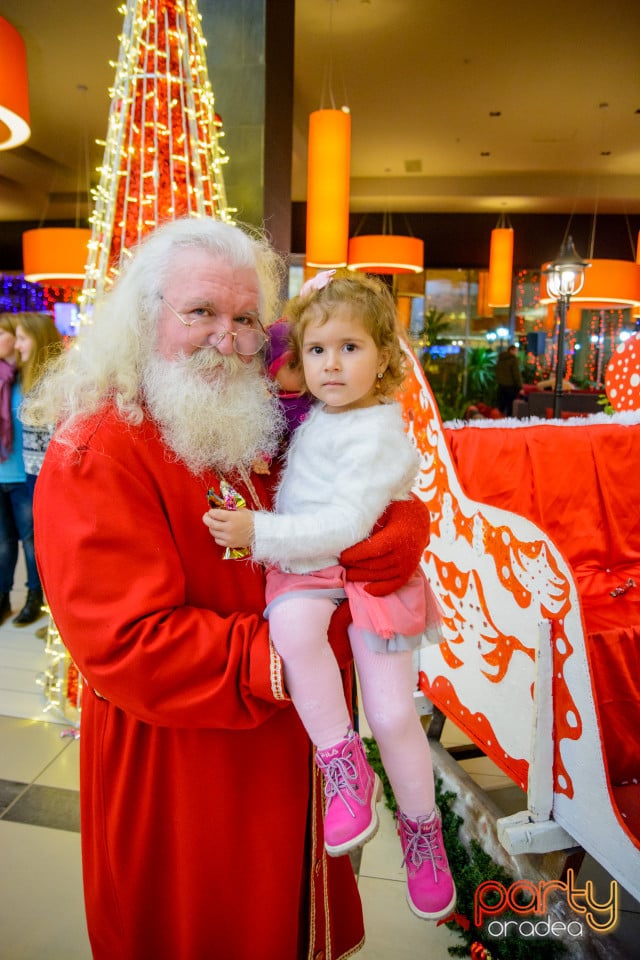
(60, 680)
(163, 158)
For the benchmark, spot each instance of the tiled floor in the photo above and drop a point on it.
(41, 911)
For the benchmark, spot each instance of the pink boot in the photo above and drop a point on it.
(431, 892)
(352, 789)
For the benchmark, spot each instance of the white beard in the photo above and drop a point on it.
(212, 410)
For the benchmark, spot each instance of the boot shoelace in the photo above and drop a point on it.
(340, 773)
(421, 846)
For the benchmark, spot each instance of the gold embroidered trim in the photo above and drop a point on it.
(275, 673)
(319, 858)
(312, 864)
(352, 953)
(328, 941)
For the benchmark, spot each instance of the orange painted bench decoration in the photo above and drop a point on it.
(526, 519)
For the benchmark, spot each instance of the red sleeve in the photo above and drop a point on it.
(153, 617)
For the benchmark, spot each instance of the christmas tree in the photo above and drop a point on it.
(163, 157)
(162, 160)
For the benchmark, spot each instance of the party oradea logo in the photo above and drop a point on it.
(530, 902)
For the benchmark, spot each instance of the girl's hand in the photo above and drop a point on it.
(230, 528)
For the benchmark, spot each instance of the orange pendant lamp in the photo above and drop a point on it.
(500, 265)
(328, 173)
(386, 253)
(55, 256)
(14, 88)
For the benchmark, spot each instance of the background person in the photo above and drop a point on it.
(201, 820)
(508, 378)
(37, 343)
(16, 513)
(285, 373)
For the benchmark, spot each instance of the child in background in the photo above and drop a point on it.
(285, 372)
(347, 460)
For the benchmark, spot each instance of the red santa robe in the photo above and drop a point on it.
(200, 808)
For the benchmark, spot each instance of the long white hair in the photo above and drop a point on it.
(105, 364)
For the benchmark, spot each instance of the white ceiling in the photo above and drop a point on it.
(457, 106)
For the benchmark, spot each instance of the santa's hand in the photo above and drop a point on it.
(393, 551)
(230, 528)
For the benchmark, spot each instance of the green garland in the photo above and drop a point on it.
(470, 867)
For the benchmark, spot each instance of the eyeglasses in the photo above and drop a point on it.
(247, 340)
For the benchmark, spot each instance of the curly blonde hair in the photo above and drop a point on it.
(370, 301)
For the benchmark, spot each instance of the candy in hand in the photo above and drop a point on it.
(229, 499)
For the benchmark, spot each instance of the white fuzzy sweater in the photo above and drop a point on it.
(342, 471)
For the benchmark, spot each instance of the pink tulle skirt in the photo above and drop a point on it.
(406, 619)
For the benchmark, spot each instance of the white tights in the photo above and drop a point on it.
(299, 626)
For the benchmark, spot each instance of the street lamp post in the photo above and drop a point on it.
(503, 333)
(565, 277)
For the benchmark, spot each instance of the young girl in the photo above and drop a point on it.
(347, 460)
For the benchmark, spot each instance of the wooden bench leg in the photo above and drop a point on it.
(464, 751)
(436, 724)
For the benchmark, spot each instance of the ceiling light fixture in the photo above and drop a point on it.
(386, 253)
(501, 264)
(14, 88)
(328, 177)
(328, 174)
(55, 256)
